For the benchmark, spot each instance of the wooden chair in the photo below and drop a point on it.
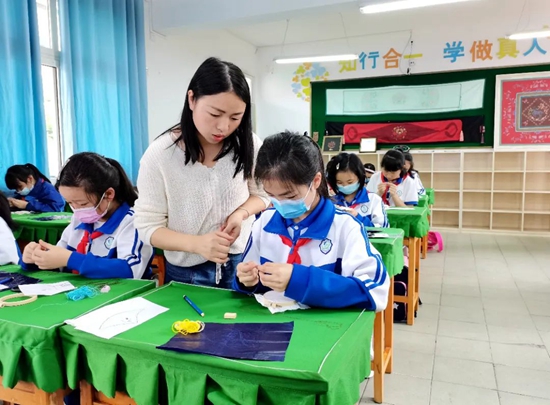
(25, 393)
(90, 396)
(159, 267)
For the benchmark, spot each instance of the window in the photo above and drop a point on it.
(49, 43)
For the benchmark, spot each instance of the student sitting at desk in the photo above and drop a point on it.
(346, 174)
(33, 190)
(393, 184)
(9, 252)
(305, 247)
(101, 241)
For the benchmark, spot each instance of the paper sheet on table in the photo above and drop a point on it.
(378, 235)
(277, 302)
(3, 287)
(46, 289)
(114, 319)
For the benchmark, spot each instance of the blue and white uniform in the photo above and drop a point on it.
(369, 207)
(43, 198)
(419, 186)
(334, 264)
(406, 189)
(110, 249)
(9, 251)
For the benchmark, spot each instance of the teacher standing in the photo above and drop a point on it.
(197, 196)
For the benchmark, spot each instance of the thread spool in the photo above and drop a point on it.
(187, 327)
(82, 293)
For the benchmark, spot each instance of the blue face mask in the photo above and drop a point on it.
(24, 192)
(349, 189)
(290, 209)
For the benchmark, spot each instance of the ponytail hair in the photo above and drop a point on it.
(5, 212)
(291, 158)
(409, 158)
(20, 173)
(95, 174)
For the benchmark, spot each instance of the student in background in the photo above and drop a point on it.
(409, 167)
(346, 174)
(33, 190)
(392, 183)
(101, 241)
(9, 252)
(369, 171)
(305, 247)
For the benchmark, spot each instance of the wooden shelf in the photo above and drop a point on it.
(509, 161)
(474, 210)
(537, 202)
(445, 209)
(537, 182)
(445, 162)
(446, 171)
(476, 201)
(508, 182)
(423, 162)
(480, 162)
(446, 219)
(537, 222)
(476, 220)
(507, 192)
(538, 161)
(477, 181)
(506, 222)
(508, 202)
(446, 181)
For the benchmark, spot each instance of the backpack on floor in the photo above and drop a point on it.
(435, 239)
(400, 287)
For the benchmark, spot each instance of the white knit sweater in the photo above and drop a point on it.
(191, 199)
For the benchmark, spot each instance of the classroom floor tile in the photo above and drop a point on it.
(484, 337)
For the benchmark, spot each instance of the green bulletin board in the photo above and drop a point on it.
(318, 101)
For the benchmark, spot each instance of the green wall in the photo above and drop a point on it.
(318, 101)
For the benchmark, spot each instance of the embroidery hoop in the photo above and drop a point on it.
(4, 303)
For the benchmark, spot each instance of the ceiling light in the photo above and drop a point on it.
(311, 59)
(404, 5)
(529, 35)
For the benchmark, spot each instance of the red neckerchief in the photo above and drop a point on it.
(85, 242)
(386, 196)
(294, 256)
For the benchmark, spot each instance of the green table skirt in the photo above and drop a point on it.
(30, 345)
(391, 249)
(328, 356)
(423, 201)
(31, 230)
(431, 196)
(414, 222)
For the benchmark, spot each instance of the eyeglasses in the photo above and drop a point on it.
(402, 148)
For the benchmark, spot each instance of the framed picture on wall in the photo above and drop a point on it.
(367, 145)
(522, 111)
(332, 143)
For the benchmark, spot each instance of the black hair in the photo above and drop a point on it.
(345, 162)
(291, 158)
(21, 173)
(5, 212)
(215, 76)
(370, 166)
(393, 161)
(95, 174)
(409, 158)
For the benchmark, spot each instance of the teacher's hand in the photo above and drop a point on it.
(232, 225)
(213, 246)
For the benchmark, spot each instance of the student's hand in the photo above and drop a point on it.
(382, 189)
(393, 189)
(28, 252)
(247, 273)
(48, 257)
(18, 203)
(232, 225)
(275, 275)
(213, 246)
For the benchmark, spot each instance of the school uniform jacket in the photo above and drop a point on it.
(369, 207)
(9, 251)
(406, 189)
(106, 250)
(419, 186)
(334, 264)
(43, 198)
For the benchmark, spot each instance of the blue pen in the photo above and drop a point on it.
(6, 279)
(196, 308)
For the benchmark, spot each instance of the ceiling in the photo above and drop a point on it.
(263, 23)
